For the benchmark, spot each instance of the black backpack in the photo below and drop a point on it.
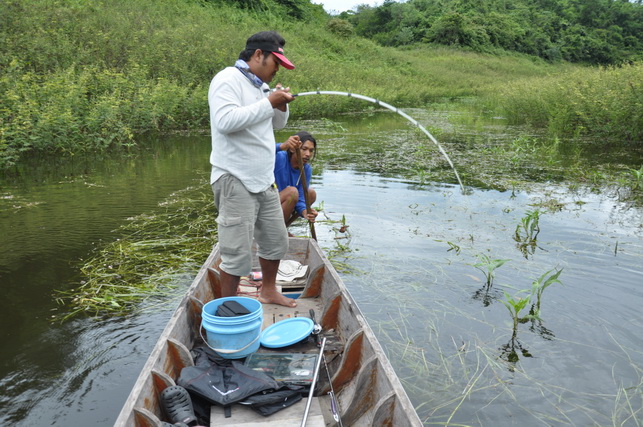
(214, 380)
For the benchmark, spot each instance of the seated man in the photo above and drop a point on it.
(288, 177)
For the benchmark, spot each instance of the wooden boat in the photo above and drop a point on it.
(367, 390)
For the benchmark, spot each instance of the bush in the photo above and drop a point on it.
(341, 27)
(604, 103)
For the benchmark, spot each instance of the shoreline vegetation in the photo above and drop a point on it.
(85, 77)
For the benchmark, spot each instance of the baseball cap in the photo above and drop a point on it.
(275, 49)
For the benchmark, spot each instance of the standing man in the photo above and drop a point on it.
(243, 114)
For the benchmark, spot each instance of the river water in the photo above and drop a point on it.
(408, 261)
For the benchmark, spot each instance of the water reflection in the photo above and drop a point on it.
(509, 352)
(487, 295)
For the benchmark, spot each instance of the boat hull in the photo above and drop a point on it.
(365, 385)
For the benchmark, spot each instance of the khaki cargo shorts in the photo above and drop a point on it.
(243, 216)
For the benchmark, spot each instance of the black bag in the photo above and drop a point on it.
(270, 402)
(215, 380)
(224, 385)
(205, 356)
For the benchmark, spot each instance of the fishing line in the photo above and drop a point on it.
(396, 110)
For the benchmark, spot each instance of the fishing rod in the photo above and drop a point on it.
(312, 385)
(394, 109)
(304, 184)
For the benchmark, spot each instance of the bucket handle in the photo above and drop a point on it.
(223, 350)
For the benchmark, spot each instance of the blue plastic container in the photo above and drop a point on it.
(233, 337)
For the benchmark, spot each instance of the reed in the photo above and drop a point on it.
(603, 103)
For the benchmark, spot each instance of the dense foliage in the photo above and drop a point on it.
(79, 76)
(590, 31)
(605, 104)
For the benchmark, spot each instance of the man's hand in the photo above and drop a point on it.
(292, 143)
(309, 216)
(280, 97)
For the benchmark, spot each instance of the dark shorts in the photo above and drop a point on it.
(243, 216)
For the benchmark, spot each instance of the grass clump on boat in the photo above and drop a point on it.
(155, 254)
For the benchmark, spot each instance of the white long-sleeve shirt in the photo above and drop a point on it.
(242, 122)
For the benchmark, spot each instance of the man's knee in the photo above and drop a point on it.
(290, 194)
(312, 195)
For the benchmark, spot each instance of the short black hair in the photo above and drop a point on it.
(303, 137)
(260, 37)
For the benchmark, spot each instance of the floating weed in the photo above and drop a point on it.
(552, 205)
(156, 253)
(333, 126)
(453, 247)
(469, 367)
(337, 249)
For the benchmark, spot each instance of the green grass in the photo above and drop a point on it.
(604, 104)
(85, 76)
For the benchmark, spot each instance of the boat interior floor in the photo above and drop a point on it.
(273, 313)
(243, 416)
(292, 416)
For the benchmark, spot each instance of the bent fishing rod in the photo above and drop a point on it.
(394, 109)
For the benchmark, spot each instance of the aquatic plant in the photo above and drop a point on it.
(422, 176)
(156, 252)
(601, 102)
(475, 365)
(529, 227)
(538, 287)
(638, 178)
(337, 252)
(453, 247)
(488, 267)
(515, 305)
(527, 232)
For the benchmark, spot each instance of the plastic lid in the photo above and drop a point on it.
(286, 332)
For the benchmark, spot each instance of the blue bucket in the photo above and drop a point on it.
(233, 337)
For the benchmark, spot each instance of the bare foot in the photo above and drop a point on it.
(275, 297)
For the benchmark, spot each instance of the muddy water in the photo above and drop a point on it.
(409, 251)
